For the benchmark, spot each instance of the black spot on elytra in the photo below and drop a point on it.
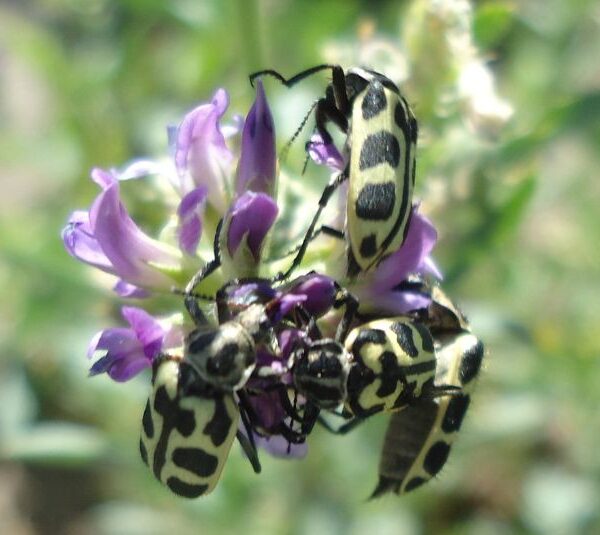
(426, 338)
(400, 117)
(174, 417)
(185, 422)
(185, 489)
(436, 457)
(471, 363)
(368, 336)
(143, 452)
(426, 366)
(359, 378)
(455, 413)
(147, 423)
(391, 374)
(368, 246)
(219, 425)
(195, 461)
(378, 148)
(374, 101)
(376, 202)
(404, 335)
(414, 130)
(414, 483)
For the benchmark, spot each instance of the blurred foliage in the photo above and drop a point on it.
(94, 83)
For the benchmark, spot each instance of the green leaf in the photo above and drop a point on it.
(55, 443)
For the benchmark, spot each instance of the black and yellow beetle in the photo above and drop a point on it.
(381, 137)
(192, 417)
(188, 428)
(418, 439)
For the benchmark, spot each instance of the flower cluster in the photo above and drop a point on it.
(221, 183)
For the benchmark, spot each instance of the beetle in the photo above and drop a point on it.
(197, 399)
(419, 438)
(188, 427)
(381, 136)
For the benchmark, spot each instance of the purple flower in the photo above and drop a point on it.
(128, 350)
(245, 228)
(320, 292)
(190, 212)
(271, 418)
(324, 153)
(202, 157)
(251, 217)
(278, 446)
(107, 238)
(257, 165)
(315, 293)
(378, 288)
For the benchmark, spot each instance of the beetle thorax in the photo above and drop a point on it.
(224, 357)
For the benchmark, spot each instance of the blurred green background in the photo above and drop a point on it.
(515, 197)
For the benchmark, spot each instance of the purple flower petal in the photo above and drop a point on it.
(147, 329)
(279, 447)
(410, 258)
(268, 409)
(288, 340)
(325, 153)
(251, 218)
(131, 252)
(378, 289)
(190, 219)
(430, 267)
(103, 178)
(128, 350)
(401, 302)
(139, 169)
(251, 292)
(124, 289)
(125, 354)
(320, 293)
(80, 242)
(257, 165)
(284, 305)
(271, 414)
(201, 150)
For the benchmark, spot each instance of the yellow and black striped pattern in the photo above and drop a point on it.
(382, 141)
(187, 430)
(393, 360)
(418, 439)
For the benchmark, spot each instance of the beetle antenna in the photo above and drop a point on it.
(287, 146)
